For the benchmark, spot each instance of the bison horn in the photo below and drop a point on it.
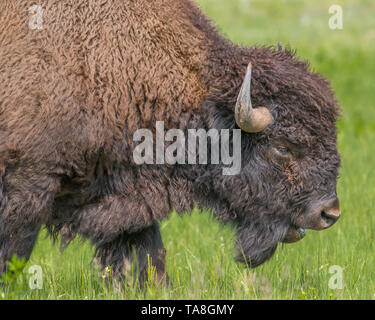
(247, 118)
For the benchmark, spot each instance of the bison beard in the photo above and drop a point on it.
(257, 245)
(73, 94)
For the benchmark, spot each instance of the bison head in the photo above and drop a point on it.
(290, 160)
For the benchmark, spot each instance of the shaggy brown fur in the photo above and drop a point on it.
(73, 93)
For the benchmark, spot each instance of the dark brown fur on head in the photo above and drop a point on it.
(271, 191)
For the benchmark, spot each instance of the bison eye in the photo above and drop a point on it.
(284, 151)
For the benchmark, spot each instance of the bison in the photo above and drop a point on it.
(74, 91)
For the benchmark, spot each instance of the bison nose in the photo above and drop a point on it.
(330, 212)
(320, 215)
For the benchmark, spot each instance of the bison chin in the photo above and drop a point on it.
(257, 243)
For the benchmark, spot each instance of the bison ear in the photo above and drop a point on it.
(249, 119)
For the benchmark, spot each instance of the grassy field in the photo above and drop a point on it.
(199, 250)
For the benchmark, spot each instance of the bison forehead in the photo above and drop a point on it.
(280, 77)
(305, 133)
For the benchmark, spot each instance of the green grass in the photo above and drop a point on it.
(199, 250)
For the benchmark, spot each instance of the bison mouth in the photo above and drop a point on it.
(294, 234)
(318, 216)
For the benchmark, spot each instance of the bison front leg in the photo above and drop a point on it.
(16, 242)
(131, 254)
(24, 201)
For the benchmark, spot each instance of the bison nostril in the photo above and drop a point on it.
(330, 216)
